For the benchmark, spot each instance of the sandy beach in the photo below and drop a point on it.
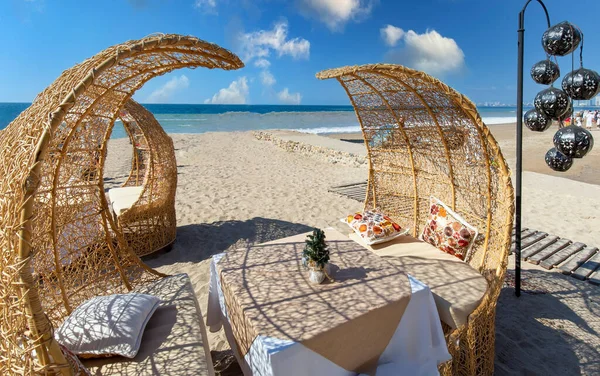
(234, 189)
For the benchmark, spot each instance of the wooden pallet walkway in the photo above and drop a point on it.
(537, 247)
(355, 191)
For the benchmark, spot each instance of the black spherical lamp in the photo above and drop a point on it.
(573, 141)
(536, 121)
(558, 161)
(567, 114)
(582, 84)
(545, 72)
(561, 39)
(552, 102)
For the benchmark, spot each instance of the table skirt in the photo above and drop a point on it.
(416, 348)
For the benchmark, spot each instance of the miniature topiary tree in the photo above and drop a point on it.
(315, 251)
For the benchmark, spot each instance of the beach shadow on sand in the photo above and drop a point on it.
(552, 329)
(198, 242)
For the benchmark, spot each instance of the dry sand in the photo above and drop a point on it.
(234, 190)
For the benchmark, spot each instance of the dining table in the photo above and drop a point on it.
(368, 318)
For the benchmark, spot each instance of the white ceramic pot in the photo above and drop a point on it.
(316, 276)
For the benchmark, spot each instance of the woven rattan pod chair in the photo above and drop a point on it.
(424, 138)
(144, 207)
(59, 244)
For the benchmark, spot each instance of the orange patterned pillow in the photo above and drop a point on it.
(448, 231)
(374, 227)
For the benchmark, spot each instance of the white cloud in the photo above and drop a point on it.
(259, 44)
(262, 63)
(391, 34)
(289, 98)
(429, 52)
(236, 93)
(336, 13)
(206, 6)
(164, 93)
(267, 78)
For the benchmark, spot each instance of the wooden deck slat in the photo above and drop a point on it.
(588, 267)
(525, 233)
(550, 250)
(595, 277)
(528, 240)
(354, 191)
(577, 259)
(562, 254)
(362, 193)
(532, 239)
(513, 232)
(535, 249)
(362, 183)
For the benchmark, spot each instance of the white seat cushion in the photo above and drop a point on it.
(457, 288)
(108, 325)
(123, 198)
(174, 341)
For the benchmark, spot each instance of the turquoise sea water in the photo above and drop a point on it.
(200, 118)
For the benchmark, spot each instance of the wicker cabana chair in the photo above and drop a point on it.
(424, 138)
(144, 207)
(59, 244)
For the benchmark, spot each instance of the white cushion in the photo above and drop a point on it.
(175, 341)
(123, 198)
(108, 325)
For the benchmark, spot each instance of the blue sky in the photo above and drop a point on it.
(469, 44)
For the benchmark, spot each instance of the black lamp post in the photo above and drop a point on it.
(519, 171)
(552, 104)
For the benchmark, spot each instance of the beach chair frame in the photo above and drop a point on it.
(425, 139)
(150, 224)
(59, 243)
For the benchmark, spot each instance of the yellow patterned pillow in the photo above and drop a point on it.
(374, 227)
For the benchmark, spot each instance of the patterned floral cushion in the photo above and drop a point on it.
(374, 227)
(448, 231)
(76, 365)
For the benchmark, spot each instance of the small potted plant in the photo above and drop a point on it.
(316, 256)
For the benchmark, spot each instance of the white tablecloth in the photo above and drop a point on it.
(416, 348)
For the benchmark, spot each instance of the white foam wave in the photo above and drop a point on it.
(356, 129)
(351, 129)
(180, 119)
(288, 113)
(499, 120)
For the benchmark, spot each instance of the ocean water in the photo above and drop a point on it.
(201, 118)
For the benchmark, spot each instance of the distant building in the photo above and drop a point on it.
(582, 103)
(597, 100)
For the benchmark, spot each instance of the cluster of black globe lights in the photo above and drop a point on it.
(554, 104)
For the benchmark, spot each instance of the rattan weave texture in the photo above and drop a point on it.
(60, 245)
(150, 224)
(425, 139)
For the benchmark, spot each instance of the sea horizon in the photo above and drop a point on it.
(202, 118)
